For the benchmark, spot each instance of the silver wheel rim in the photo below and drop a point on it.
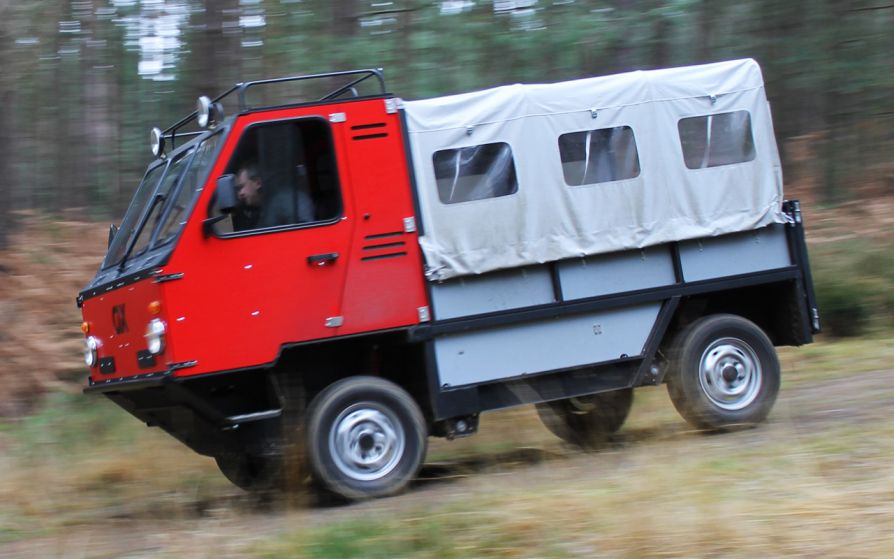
(366, 442)
(730, 374)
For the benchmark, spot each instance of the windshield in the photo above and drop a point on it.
(159, 208)
(132, 217)
(175, 169)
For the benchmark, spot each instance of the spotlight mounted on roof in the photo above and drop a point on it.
(203, 111)
(208, 113)
(157, 142)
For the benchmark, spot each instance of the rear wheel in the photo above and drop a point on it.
(724, 373)
(587, 421)
(366, 437)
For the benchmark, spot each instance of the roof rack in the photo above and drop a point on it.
(171, 133)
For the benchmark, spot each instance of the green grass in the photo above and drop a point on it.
(442, 533)
(72, 423)
(854, 283)
(14, 529)
(80, 458)
(372, 539)
(830, 358)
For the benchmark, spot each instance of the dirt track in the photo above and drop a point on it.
(232, 523)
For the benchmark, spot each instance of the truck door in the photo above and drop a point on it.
(384, 287)
(277, 265)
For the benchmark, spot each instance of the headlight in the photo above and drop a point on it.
(155, 336)
(90, 346)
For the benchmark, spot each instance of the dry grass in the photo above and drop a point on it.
(48, 263)
(61, 469)
(815, 481)
(779, 491)
(797, 487)
(829, 359)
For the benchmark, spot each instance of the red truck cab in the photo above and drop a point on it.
(231, 297)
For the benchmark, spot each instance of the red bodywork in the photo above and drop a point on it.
(241, 299)
(118, 319)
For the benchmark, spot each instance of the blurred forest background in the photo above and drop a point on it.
(85, 80)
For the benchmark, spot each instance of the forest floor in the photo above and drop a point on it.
(81, 478)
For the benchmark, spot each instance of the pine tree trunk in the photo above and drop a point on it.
(215, 62)
(6, 169)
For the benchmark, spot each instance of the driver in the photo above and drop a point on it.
(257, 210)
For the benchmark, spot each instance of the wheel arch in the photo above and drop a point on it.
(775, 308)
(386, 355)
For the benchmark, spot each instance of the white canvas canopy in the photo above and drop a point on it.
(663, 190)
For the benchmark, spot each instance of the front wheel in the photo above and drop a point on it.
(366, 437)
(724, 373)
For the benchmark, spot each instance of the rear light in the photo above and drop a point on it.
(85, 327)
(91, 344)
(154, 307)
(155, 336)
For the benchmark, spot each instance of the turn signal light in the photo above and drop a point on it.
(154, 307)
(85, 327)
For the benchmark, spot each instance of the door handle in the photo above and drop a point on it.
(322, 259)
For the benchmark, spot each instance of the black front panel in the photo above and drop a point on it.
(107, 365)
(145, 360)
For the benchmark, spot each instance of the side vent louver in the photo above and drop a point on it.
(370, 126)
(383, 245)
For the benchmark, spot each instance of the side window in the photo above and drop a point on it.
(285, 175)
(475, 173)
(714, 140)
(595, 156)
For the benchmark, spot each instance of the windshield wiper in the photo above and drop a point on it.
(138, 231)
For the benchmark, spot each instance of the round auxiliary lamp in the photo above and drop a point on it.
(157, 141)
(208, 113)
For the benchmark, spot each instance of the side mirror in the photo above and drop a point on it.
(226, 193)
(225, 201)
(113, 230)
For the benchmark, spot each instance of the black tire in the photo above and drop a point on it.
(366, 438)
(249, 473)
(724, 373)
(587, 421)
